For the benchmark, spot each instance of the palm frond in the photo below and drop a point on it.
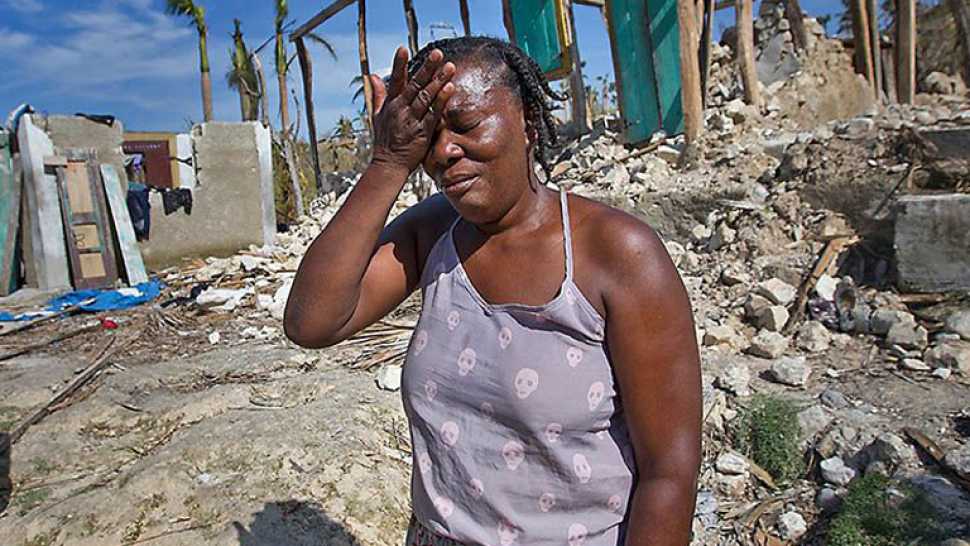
(320, 40)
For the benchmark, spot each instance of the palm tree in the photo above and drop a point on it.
(241, 76)
(283, 59)
(196, 15)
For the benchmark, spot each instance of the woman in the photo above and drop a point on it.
(540, 310)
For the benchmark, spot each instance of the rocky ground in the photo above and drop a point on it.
(209, 427)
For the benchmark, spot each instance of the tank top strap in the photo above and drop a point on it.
(567, 234)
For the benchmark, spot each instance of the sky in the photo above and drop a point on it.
(128, 58)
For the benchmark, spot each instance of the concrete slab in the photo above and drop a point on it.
(933, 243)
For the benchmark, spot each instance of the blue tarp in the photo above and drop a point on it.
(101, 300)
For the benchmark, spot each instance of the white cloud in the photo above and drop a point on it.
(27, 7)
(11, 40)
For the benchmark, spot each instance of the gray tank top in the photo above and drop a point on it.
(517, 429)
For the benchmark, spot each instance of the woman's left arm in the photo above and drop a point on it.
(651, 339)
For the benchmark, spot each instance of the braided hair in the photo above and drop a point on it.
(522, 75)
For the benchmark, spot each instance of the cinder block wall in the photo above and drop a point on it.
(78, 132)
(232, 202)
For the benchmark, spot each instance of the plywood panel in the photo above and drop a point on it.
(665, 37)
(633, 65)
(130, 254)
(92, 265)
(86, 236)
(10, 185)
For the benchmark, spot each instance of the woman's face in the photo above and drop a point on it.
(480, 155)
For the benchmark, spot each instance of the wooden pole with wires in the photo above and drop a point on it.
(860, 39)
(364, 63)
(872, 9)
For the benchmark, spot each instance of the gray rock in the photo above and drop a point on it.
(735, 378)
(389, 378)
(954, 355)
(700, 233)
(773, 318)
(826, 286)
(835, 472)
(833, 399)
(791, 525)
(914, 365)
(778, 291)
(813, 421)
(723, 235)
(791, 370)
(889, 448)
(959, 323)
(959, 459)
(754, 305)
(855, 127)
(731, 463)
(908, 336)
(827, 499)
(720, 335)
(813, 337)
(942, 373)
(884, 319)
(768, 345)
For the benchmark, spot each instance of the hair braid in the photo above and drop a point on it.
(522, 74)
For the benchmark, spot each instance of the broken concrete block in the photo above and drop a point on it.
(778, 291)
(735, 378)
(959, 323)
(773, 318)
(768, 345)
(954, 355)
(754, 305)
(813, 337)
(730, 463)
(933, 243)
(723, 235)
(882, 320)
(791, 370)
(835, 472)
(907, 336)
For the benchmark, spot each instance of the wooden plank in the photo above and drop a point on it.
(130, 254)
(577, 88)
(706, 49)
(875, 48)
(10, 186)
(860, 38)
(667, 54)
(749, 73)
(690, 77)
(633, 67)
(466, 21)
(306, 71)
(319, 19)
(364, 62)
(412, 21)
(592, 3)
(906, 51)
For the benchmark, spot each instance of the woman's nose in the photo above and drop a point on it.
(445, 150)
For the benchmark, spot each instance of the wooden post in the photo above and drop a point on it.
(306, 69)
(465, 17)
(906, 50)
(690, 91)
(364, 63)
(412, 21)
(793, 12)
(699, 7)
(749, 73)
(872, 7)
(706, 45)
(577, 88)
(959, 10)
(860, 38)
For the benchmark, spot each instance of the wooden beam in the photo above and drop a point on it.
(364, 63)
(319, 19)
(906, 50)
(690, 80)
(577, 88)
(749, 73)
(723, 4)
(306, 70)
(872, 9)
(959, 10)
(706, 48)
(592, 3)
(412, 21)
(793, 12)
(860, 38)
(466, 21)
(507, 20)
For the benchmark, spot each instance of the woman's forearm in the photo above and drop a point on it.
(662, 512)
(326, 289)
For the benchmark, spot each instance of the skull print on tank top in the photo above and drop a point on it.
(518, 433)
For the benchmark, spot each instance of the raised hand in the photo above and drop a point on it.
(407, 112)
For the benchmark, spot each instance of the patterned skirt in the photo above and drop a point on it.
(419, 535)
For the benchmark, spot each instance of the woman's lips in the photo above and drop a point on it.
(459, 188)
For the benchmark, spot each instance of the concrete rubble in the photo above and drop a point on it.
(771, 190)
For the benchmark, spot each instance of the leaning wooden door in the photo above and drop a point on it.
(89, 243)
(646, 61)
(539, 27)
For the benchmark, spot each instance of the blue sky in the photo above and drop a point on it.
(129, 59)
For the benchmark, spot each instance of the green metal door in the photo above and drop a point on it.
(538, 27)
(646, 61)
